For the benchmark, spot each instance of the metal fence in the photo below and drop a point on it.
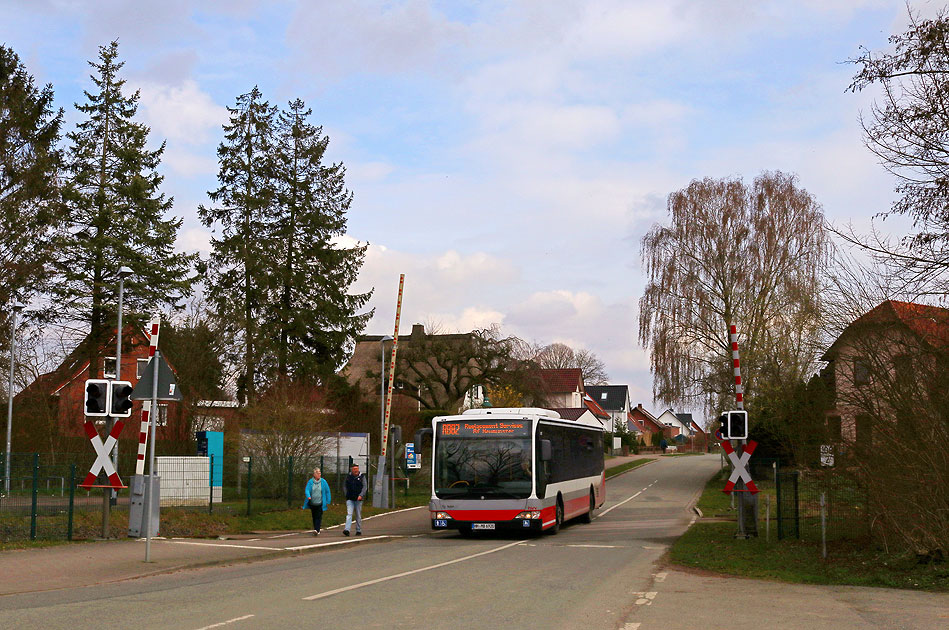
(41, 498)
(816, 504)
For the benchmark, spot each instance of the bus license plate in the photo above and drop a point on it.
(482, 526)
(441, 522)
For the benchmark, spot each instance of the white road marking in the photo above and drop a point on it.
(252, 539)
(607, 511)
(407, 573)
(632, 626)
(224, 623)
(653, 547)
(289, 534)
(596, 546)
(645, 598)
(348, 541)
(661, 577)
(203, 544)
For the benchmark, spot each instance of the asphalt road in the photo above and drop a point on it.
(601, 575)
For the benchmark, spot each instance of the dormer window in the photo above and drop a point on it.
(602, 395)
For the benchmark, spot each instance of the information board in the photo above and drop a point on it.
(499, 428)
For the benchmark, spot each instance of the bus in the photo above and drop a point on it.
(524, 469)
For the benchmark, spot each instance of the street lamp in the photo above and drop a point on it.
(124, 272)
(16, 309)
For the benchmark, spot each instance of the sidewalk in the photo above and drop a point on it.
(87, 564)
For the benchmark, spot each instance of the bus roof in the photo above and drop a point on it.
(535, 413)
(512, 411)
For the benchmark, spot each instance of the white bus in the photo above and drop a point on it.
(525, 469)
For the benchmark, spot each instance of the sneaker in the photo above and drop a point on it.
(359, 533)
(317, 532)
(345, 532)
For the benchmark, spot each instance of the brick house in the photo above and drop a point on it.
(60, 394)
(364, 368)
(895, 349)
(641, 421)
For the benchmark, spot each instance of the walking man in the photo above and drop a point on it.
(356, 486)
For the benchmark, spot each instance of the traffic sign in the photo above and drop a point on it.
(103, 462)
(167, 385)
(739, 467)
(412, 459)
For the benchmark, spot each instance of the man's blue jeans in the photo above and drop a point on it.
(353, 507)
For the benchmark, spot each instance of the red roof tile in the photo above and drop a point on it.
(597, 410)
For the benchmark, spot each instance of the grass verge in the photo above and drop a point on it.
(612, 472)
(711, 546)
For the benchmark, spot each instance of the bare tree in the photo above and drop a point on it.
(558, 356)
(289, 420)
(908, 130)
(437, 370)
(751, 256)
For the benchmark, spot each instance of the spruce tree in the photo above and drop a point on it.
(30, 208)
(240, 281)
(317, 317)
(116, 214)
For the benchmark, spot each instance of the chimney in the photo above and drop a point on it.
(418, 331)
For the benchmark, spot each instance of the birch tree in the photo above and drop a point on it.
(751, 256)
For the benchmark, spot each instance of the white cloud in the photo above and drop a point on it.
(371, 35)
(195, 240)
(181, 113)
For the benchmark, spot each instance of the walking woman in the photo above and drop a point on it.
(317, 499)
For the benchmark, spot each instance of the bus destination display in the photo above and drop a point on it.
(506, 428)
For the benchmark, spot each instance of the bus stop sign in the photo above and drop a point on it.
(412, 459)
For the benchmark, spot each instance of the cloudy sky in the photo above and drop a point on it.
(506, 156)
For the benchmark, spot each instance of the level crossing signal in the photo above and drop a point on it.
(121, 399)
(97, 397)
(734, 425)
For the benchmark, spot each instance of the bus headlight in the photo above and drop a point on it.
(442, 515)
(529, 514)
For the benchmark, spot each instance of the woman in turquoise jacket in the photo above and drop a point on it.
(317, 499)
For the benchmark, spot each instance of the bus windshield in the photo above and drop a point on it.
(483, 459)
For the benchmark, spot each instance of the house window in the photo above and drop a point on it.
(861, 372)
(140, 366)
(108, 367)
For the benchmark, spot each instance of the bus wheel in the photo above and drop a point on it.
(588, 517)
(558, 518)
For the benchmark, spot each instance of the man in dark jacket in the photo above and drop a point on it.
(356, 487)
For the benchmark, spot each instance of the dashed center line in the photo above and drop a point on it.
(224, 623)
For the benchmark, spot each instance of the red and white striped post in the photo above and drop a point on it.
(747, 502)
(739, 392)
(153, 328)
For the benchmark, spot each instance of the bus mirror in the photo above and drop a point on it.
(545, 454)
